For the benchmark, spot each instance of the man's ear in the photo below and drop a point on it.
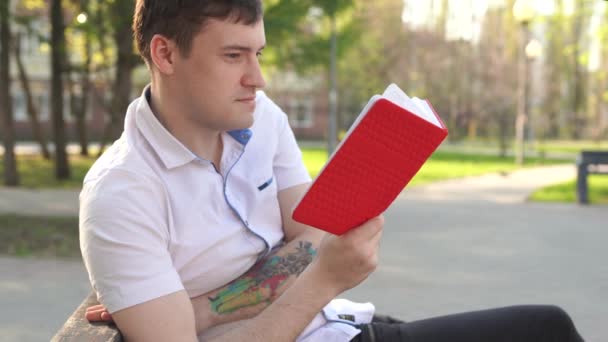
(163, 52)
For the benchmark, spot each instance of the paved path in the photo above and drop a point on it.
(511, 187)
(37, 296)
(448, 247)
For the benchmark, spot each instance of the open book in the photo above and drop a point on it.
(382, 151)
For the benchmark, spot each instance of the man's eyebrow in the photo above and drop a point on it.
(241, 48)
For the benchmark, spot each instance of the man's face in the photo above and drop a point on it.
(219, 78)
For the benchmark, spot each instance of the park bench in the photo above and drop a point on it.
(77, 328)
(589, 162)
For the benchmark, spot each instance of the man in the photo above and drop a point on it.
(185, 221)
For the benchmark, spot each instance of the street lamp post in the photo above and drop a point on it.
(523, 13)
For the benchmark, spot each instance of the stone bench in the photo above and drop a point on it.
(589, 162)
(78, 328)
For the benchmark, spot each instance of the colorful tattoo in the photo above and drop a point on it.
(260, 284)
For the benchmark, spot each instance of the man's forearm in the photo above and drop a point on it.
(251, 293)
(288, 316)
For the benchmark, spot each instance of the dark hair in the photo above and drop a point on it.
(181, 20)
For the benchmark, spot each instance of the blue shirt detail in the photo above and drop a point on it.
(241, 135)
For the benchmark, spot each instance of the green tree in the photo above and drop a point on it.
(600, 95)
(32, 110)
(81, 37)
(578, 60)
(119, 19)
(553, 103)
(11, 177)
(58, 58)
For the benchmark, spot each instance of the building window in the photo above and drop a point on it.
(19, 107)
(300, 113)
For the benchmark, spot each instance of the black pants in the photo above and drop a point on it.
(510, 324)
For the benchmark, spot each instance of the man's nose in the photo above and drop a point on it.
(253, 77)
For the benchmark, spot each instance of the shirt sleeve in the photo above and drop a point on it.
(124, 240)
(289, 168)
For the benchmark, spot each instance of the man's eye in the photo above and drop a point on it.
(259, 54)
(233, 55)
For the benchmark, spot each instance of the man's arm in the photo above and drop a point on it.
(270, 291)
(251, 293)
(294, 230)
(342, 263)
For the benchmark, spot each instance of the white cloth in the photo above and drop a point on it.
(156, 219)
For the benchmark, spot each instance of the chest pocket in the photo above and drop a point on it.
(266, 184)
(265, 211)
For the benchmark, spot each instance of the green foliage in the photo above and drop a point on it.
(568, 146)
(33, 4)
(298, 32)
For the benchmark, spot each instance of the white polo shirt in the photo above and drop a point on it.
(156, 219)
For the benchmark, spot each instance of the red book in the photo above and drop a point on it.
(386, 146)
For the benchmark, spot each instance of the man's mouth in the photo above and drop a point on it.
(247, 99)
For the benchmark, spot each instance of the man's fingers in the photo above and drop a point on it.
(100, 314)
(369, 229)
(105, 316)
(93, 316)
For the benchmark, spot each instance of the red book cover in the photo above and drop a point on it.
(380, 154)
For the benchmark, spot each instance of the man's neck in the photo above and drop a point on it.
(203, 142)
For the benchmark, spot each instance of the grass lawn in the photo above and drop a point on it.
(36, 173)
(549, 146)
(565, 146)
(39, 236)
(442, 165)
(566, 192)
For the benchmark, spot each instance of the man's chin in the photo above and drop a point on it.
(244, 121)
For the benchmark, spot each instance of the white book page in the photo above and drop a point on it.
(428, 112)
(416, 106)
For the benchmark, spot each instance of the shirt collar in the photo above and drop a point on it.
(241, 135)
(170, 150)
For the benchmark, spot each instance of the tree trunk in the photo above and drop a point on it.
(62, 168)
(578, 81)
(100, 16)
(32, 111)
(123, 81)
(80, 115)
(11, 177)
(125, 64)
(78, 107)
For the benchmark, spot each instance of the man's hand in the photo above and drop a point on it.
(347, 260)
(98, 313)
(342, 262)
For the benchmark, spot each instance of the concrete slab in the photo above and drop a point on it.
(448, 257)
(37, 296)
